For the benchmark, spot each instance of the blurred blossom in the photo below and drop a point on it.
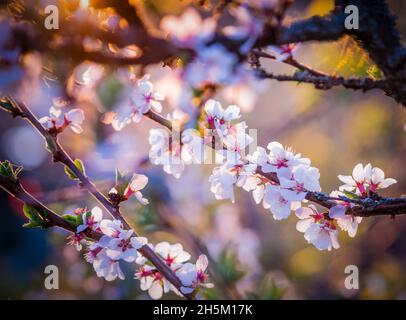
(190, 198)
(177, 92)
(25, 138)
(244, 90)
(117, 152)
(83, 81)
(189, 30)
(248, 27)
(213, 65)
(228, 232)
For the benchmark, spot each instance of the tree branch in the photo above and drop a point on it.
(327, 82)
(60, 155)
(367, 208)
(377, 34)
(52, 219)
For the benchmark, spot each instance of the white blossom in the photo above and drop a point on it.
(248, 27)
(58, 121)
(166, 152)
(91, 220)
(364, 177)
(284, 52)
(189, 29)
(378, 181)
(137, 100)
(151, 280)
(107, 268)
(121, 247)
(137, 183)
(346, 222)
(194, 276)
(304, 179)
(282, 159)
(276, 203)
(317, 230)
(213, 65)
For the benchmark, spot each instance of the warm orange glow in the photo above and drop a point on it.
(84, 3)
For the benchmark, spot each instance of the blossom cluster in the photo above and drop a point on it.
(138, 99)
(278, 177)
(119, 244)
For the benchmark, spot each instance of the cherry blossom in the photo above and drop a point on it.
(111, 228)
(189, 29)
(274, 200)
(358, 180)
(166, 151)
(364, 177)
(281, 159)
(76, 240)
(318, 230)
(173, 152)
(194, 276)
(378, 181)
(248, 27)
(213, 65)
(219, 118)
(57, 121)
(174, 256)
(231, 136)
(107, 268)
(123, 247)
(255, 184)
(345, 221)
(284, 52)
(222, 183)
(152, 281)
(303, 179)
(235, 138)
(137, 183)
(91, 220)
(244, 89)
(137, 100)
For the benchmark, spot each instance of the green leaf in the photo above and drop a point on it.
(34, 217)
(273, 292)
(6, 169)
(350, 194)
(228, 267)
(31, 213)
(51, 144)
(10, 171)
(79, 219)
(71, 218)
(122, 181)
(7, 105)
(79, 164)
(34, 224)
(109, 91)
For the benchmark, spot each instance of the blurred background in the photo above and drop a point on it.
(253, 255)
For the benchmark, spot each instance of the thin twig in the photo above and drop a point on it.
(326, 82)
(60, 155)
(386, 206)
